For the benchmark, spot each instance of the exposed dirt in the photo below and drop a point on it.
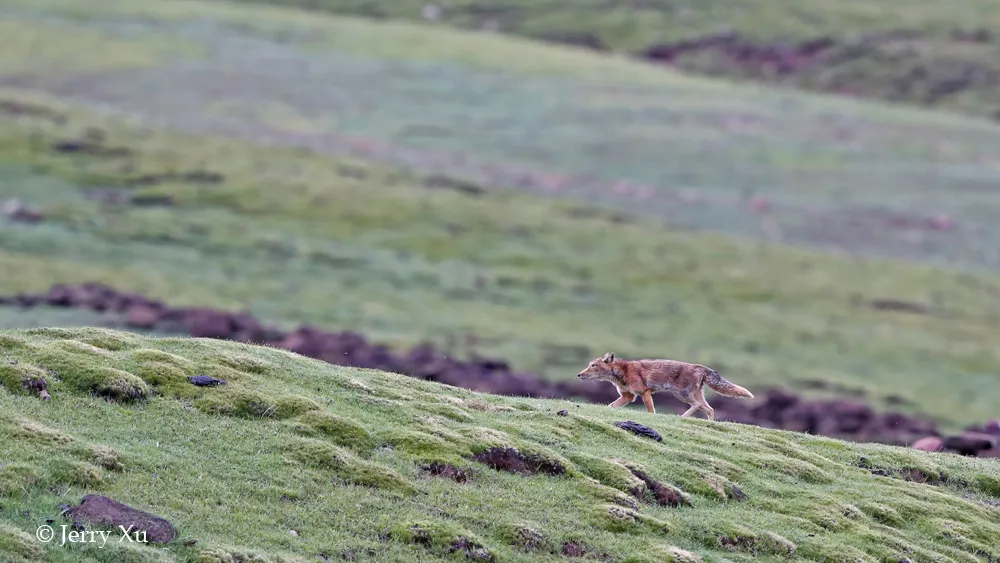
(101, 510)
(840, 418)
(513, 461)
(471, 549)
(448, 471)
(664, 495)
(829, 64)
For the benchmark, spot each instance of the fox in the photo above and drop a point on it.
(642, 378)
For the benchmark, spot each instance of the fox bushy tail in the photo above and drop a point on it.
(724, 387)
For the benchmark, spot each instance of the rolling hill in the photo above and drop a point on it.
(296, 460)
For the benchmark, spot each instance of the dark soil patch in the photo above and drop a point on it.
(454, 184)
(513, 461)
(738, 543)
(830, 64)
(528, 539)
(665, 496)
(472, 550)
(91, 147)
(188, 177)
(100, 510)
(573, 549)
(11, 107)
(900, 306)
(639, 429)
(910, 474)
(446, 470)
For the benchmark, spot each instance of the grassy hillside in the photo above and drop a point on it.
(927, 53)
(397, 221)
(544, 282)
(337, 455)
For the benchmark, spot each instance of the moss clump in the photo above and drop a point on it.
(340, 430)
(31, 430)
(106, 457)
(526, 537)
(425, 447)
(243, 403)
(17, 477)
(671, 554)
(229, 555)
(78, 347)
(71, 472)
(245, 363)
(610, 473)
(16, 546)
(120, 386)
(620, 519)
(347, 466)
(441, 537)
(288, 406)
(167, 379)
(448, 411)
(79, 371)
(21, 379)
(11, 343)
(150, 355)
(114, 341)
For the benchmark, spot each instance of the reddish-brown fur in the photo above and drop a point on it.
(642, 378)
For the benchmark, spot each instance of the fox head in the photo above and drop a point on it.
(599, 368)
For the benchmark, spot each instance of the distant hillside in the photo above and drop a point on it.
(940, 54)
(294, 460)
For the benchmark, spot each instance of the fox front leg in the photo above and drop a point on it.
(625, 399)
(647, 398)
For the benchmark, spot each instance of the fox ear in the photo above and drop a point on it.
(609, 357)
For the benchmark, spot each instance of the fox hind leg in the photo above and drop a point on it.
(625, 399)
(702, 405)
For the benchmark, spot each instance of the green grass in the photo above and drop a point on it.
(544, 282)
(315, 236)
(336, 453)
(928, 67)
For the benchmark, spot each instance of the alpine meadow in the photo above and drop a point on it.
(295, 281)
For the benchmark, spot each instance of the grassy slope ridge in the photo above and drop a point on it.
(335, 454)
(924, 52)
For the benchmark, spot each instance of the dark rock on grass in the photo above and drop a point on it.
(206, 381)
(446, 470)
(664, 495)
(472, 550)
(639, 429)
(512, 460)
(563, 412)
(103, 511)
